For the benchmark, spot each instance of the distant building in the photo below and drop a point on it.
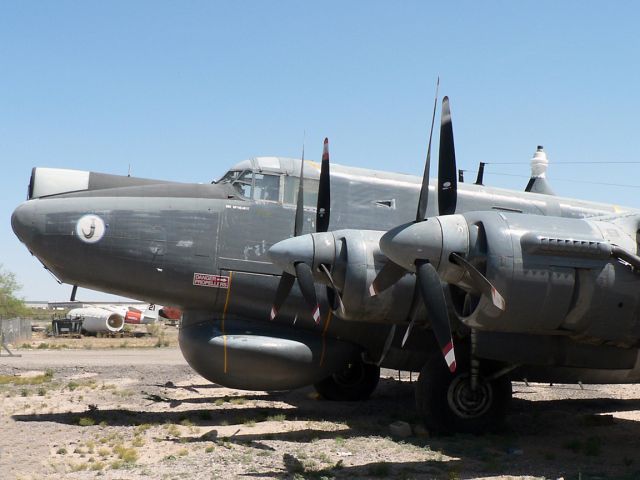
(46, 305)
(43, 304)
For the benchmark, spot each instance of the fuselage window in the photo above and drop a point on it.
(267, 187)
(310, 191)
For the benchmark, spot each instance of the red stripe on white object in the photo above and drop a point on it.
(450, 356)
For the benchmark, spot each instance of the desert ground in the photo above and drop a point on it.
(132, 408)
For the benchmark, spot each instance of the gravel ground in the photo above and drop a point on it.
(142, 413)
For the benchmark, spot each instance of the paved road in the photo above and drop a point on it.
(37, 359)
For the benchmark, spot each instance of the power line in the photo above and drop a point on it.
(597, 162)
(554, 179)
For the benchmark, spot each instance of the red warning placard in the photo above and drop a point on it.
(212, 281)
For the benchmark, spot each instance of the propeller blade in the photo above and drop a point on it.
(324, 192)
(424, 190)
(299, 223)
(406, 334)
(433, 296)
(413, 312)
(284, 287)
(336, 292)
(389, 274)
(480, 281)
(447, 170)
(305, 280)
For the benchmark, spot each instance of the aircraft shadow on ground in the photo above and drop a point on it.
(493, 454)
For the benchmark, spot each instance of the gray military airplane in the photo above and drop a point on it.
(526, 285)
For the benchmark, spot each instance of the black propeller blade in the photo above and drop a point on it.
(427, 279)
(480, 282)
(303, 271)
(447, 171)
(424, 190)
(338, 299)
(433, 296)
(305, 281)
(284, 287)
(299, 222)
(324, 192)
(323, 213)
(389, 274)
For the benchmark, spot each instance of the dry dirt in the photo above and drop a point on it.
(123, 413)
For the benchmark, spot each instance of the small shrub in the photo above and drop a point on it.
(281, 417)
(86, 421)
(127, 455)
(104, 451)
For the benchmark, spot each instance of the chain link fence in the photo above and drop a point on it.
(14, 330)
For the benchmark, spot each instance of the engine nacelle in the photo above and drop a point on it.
(359, 260)
(98, 320)
(557, 276)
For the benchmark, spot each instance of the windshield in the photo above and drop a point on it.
(240, 180)
(258, 186)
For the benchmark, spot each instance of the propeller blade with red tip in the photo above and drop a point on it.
(480, 282)
(284, 287)
(433, 297)
(308, 289)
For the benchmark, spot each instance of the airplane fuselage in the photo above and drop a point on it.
(203, 248)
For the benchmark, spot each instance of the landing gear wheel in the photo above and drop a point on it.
(448, 404)
(356, 381)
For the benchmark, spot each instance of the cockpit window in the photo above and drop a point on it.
(310, 191)
(229, 177)
(242, 181)
(267, 187)
(259, 186)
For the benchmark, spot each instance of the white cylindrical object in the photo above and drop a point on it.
(539, 163)
(98, 320)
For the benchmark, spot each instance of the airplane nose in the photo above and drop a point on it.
(24, 221)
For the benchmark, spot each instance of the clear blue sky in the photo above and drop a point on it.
(183, 90)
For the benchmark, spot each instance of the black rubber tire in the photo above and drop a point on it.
(439, 394)
(356, 382)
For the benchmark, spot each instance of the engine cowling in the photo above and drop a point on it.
(354, 258)
(558, 277)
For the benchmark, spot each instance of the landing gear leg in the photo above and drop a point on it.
(461, 402)
(356, 381)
